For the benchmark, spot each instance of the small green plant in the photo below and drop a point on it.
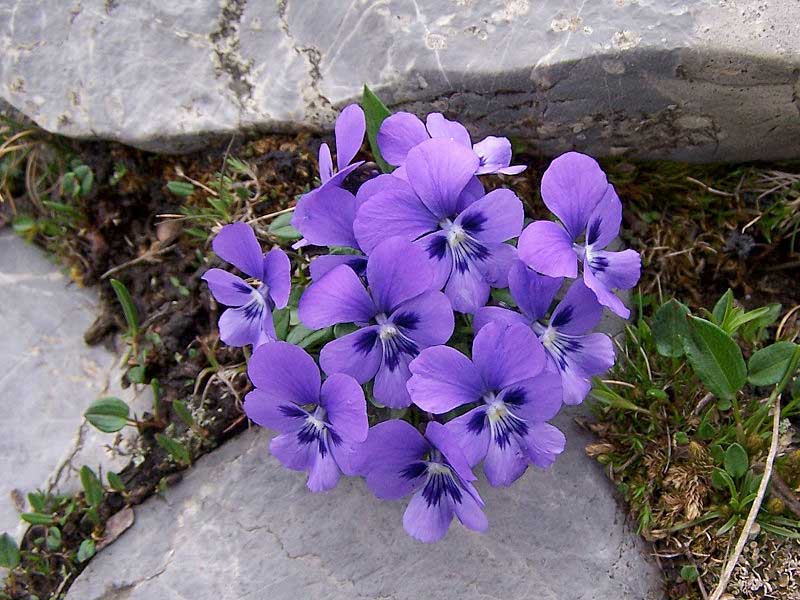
(686, 423)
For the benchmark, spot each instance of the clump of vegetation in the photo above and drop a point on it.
(689, 427)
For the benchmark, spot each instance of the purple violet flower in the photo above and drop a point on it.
(462, 233)
(349, 130)
(576, 190)
(509, 429)
(402, 131)
(400, 314)
(249, 320)
(319, 426)
(572, 351)
(396, 461)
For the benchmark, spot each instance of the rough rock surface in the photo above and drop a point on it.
(696, 79)
(240, 526)
(49, 378)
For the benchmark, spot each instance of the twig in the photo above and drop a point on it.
(703, 403)
(271, 215)
(784, 320)
(751, 517)
(710, 189)
(180, 173)
(146, 256)
(669, 442)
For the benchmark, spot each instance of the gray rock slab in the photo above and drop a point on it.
(49, 378)
(681, 79)
(239, 526)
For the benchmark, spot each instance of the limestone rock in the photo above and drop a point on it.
(694, 80)
(50, 376)
(240, 526)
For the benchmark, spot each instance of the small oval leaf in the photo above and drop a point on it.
(715, 358)
(92, 488)
(9, 552)
(736, 462)
(767, 366)
(108, 414)
(670, 328)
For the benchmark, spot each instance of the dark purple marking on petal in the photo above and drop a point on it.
(515, 396)
(477, 423)
(563, 345)
(242, 287)
(335, 437)
(395, 346)
(439, 485)
(292, 411)
(366, 341)
(406, 320)
(253, 310)
(437, 247)
(308, 433)
(563, 317)
(598, 264)
(594, 231)
(467, 249)
(414, 470)
(473, 223)
(507, 426)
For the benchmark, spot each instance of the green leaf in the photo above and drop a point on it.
(302, 336)
(115, 482)
(86, 179)
(69, 184)
(782, 531)
(180, 408)
(175, 449)
(705, 430)
(614, 400)
(53, 538)
(343, 329)
(180, 188)
(767, 366)
(729, 524)
(37, 518)
(86, 550)
(723, 307)
(375, 112)
(24, 224)
(715, 358)
(736, 462)
(689, 573)
(137, 374)
(108, 414)
(720, 479)
(9, 552)
(128, 307)
(280, 318)
(503, 295)
(717, 453)
(670, 328)
(92, 488)
(281, 227)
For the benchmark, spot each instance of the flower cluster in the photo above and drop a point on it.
(412, 257)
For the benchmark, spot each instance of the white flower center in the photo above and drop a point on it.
(548, 336)
(387, 331)
(455, 235)
(496, 411)
(437, 468)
